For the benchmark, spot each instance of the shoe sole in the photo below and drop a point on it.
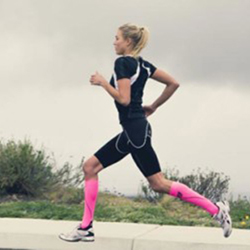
(90, 239)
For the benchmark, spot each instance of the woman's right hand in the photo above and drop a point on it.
(97, 79)
(149, 110)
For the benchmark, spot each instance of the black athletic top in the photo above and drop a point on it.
(138, 71)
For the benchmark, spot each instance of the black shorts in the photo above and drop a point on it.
(135, 139)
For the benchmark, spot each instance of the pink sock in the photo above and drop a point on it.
(187, 194)
(91, 191)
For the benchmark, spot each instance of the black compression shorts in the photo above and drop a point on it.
(135, 139)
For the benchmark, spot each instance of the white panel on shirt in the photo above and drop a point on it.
(147, 68)
(132, 78)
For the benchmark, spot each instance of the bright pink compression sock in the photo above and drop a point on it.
(187, 194)
(91, 192)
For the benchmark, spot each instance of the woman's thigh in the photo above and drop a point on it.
(113, 151)
(139, 133)
(146, 159)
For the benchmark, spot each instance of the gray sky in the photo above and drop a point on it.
(49, 49)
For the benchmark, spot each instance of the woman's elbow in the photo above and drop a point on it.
(175, 84)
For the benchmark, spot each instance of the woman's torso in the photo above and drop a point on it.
(138, 71)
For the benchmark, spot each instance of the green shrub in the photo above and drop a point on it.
(24, 170)
(149, 194)
(30, 172)
(69, 186)
(213, 185)
(70, 176)
(66, 195)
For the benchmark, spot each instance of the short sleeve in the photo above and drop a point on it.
(151, 68)
(123, 68)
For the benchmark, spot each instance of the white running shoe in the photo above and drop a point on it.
(224, 218)
(79, 234)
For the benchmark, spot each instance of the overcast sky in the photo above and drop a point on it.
(49, 49)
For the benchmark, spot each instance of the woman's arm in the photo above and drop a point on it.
(171, 86)
(122, 95)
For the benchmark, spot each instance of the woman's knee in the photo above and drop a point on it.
(92, 166)
(87, 167)
(159, 184)
(158, 187)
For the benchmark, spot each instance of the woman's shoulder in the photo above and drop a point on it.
(127, 62)
(151, 68)
(125, 59)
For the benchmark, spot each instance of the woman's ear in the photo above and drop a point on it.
(129, 42)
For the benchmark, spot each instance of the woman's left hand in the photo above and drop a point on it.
(149, 110)
(97, 79)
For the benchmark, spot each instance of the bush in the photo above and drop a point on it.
(213, 185)
(69, 176)
(24, 170)
(149, 194)
(69, 186)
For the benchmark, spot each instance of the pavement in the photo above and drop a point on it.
(43, 234)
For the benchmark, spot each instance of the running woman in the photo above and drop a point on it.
(126, 86)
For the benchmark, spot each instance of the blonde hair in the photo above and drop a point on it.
(138, 35)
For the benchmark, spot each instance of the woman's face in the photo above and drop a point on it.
(121, 44)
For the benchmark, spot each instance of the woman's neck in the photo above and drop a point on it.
(128, 55)
(128, 52)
